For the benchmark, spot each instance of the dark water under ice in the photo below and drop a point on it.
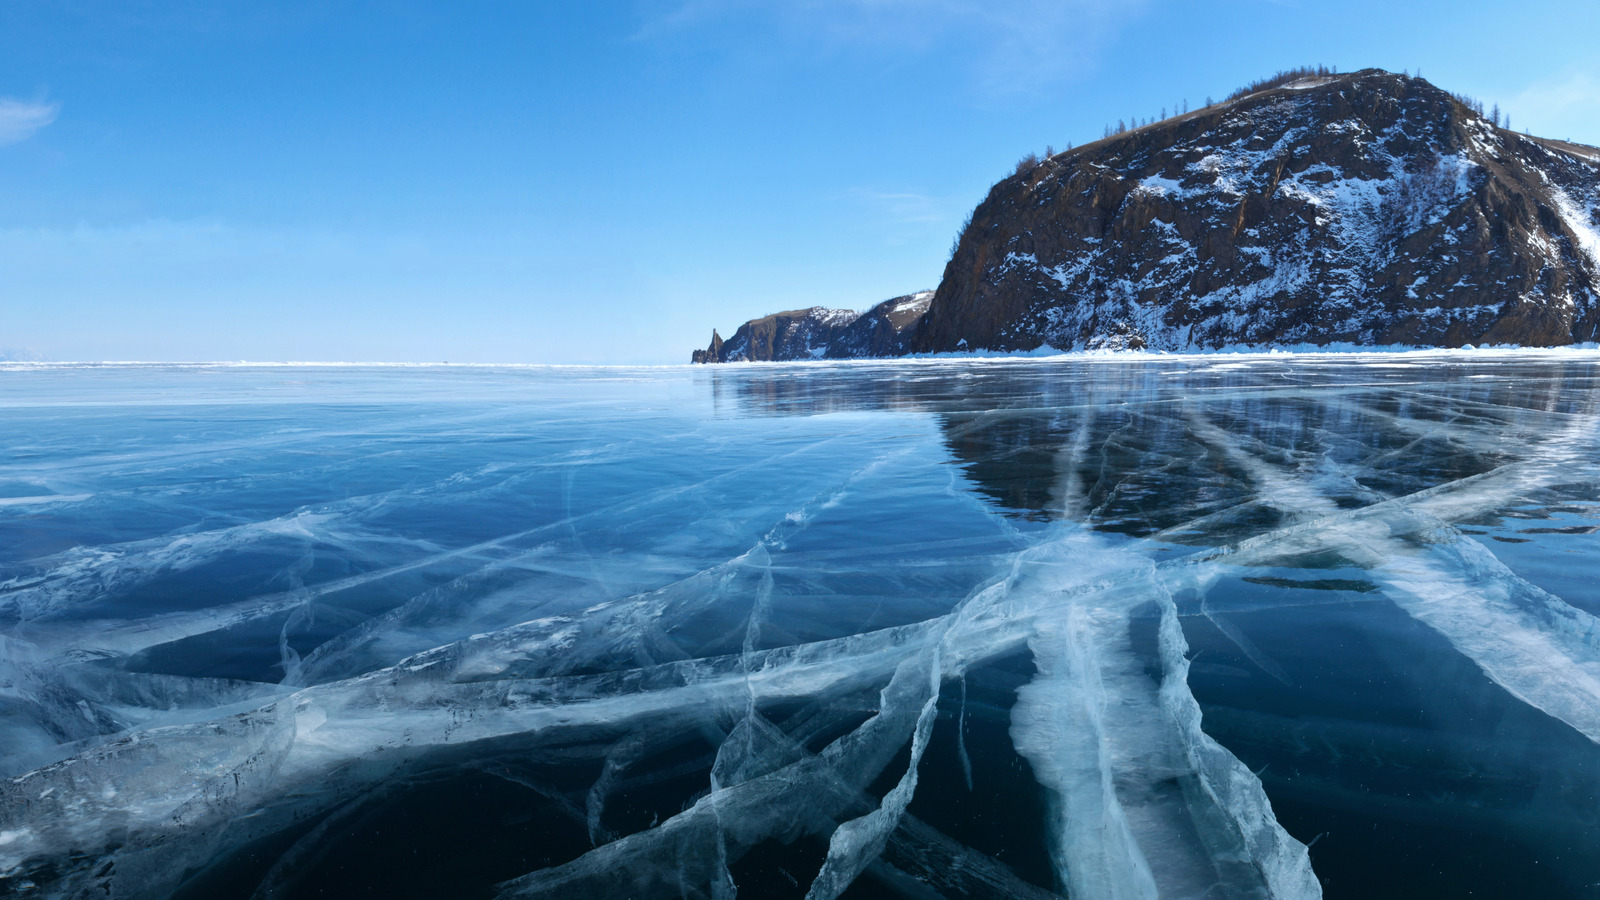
(1101, 627)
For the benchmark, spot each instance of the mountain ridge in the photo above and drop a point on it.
(1365, 208)
(822, 333)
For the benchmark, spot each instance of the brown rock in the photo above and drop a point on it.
(1369, 208)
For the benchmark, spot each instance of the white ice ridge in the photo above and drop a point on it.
(174, 796)
(1211, 828)
(70, 712)
(72, 575)
(1541, 649)
(1144, 804)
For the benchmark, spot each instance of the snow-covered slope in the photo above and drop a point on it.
(1367, 208)
(819, 332)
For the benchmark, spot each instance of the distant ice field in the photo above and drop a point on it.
(1244, 625)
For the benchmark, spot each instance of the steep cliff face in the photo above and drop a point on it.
(712, 353)
(819, 333)
(1368, 208)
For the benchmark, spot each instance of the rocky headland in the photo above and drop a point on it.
(1313, 208)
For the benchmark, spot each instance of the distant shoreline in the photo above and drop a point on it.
(1045, 354)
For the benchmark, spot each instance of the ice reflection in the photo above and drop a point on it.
(1097, 628)
(1322, 499)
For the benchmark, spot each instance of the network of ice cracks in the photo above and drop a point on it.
(164, 774)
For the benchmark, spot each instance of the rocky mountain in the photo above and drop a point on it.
(819, 333)
(1369, 208)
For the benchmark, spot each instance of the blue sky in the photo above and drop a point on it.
(602, 183)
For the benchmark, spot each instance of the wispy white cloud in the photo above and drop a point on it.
(907, 207)
(1005, 46)
(21, 119)
(207, 245)
(1559, 107)
(907, 218)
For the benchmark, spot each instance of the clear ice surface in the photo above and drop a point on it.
(1160, 627)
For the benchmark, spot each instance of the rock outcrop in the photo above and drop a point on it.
(1368, 208)
(712, 353)
(819, 333)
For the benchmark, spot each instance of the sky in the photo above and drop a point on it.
(554, 182)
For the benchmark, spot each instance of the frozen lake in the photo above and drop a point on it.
(1088, 627)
